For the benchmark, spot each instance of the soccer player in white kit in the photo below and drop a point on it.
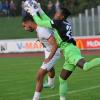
(45, 35)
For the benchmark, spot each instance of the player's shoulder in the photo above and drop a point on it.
(44, 30)
(67, 22)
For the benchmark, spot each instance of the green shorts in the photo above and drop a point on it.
(72, 55)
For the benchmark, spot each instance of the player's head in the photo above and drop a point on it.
(28, 23)
(62, 13)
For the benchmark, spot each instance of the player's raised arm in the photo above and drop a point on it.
(41, 22)
(33, 8)
(42, 13)
(44, 20)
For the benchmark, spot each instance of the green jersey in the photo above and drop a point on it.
(62, 29)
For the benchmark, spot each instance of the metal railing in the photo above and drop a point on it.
(88, 23)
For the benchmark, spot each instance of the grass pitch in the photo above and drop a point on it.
(17, 80)
(11, 28)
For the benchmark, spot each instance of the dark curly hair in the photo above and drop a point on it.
(27, 17)
(66, 13)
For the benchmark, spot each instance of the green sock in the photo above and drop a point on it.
(91, 64)
(63, 88)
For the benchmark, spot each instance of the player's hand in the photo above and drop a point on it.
(46, 61)
(31, 7)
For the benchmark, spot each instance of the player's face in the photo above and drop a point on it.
(27, 26)
(58, 15)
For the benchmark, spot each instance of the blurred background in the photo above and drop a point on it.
(21, 57)
(85, 17)
(85, 20)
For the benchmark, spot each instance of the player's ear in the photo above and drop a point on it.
(62, 17)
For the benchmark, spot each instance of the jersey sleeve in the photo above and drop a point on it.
(45, 33)
(46, 22)
(42, 22)
(44, 16)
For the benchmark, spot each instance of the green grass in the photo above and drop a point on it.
(10, 28)
(17, 80)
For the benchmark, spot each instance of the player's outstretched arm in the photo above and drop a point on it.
(41, 22)
(42, 13)
(33, 9)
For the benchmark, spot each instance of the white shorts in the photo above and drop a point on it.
(48, 66)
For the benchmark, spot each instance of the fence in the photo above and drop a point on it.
(88, 23)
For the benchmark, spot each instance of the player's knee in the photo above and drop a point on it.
(62, 76)
(65, 74)
(40, 76)
(52, 70)
(81, 63)
(51, 73)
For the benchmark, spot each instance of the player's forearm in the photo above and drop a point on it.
(44, 16)
(42, 13)
(40, 22)
(53, 51)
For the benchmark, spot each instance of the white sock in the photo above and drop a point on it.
(62, 98)
(51, 81)
(36, 96)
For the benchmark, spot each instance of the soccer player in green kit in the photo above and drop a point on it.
(62, 33)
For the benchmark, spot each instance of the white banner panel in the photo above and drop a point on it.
(20, 46)
(33, 45)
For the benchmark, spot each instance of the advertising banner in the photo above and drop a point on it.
(33, 45)
(20, 46)
(88, 43)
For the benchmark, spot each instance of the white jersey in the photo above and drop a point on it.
(44, 34)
